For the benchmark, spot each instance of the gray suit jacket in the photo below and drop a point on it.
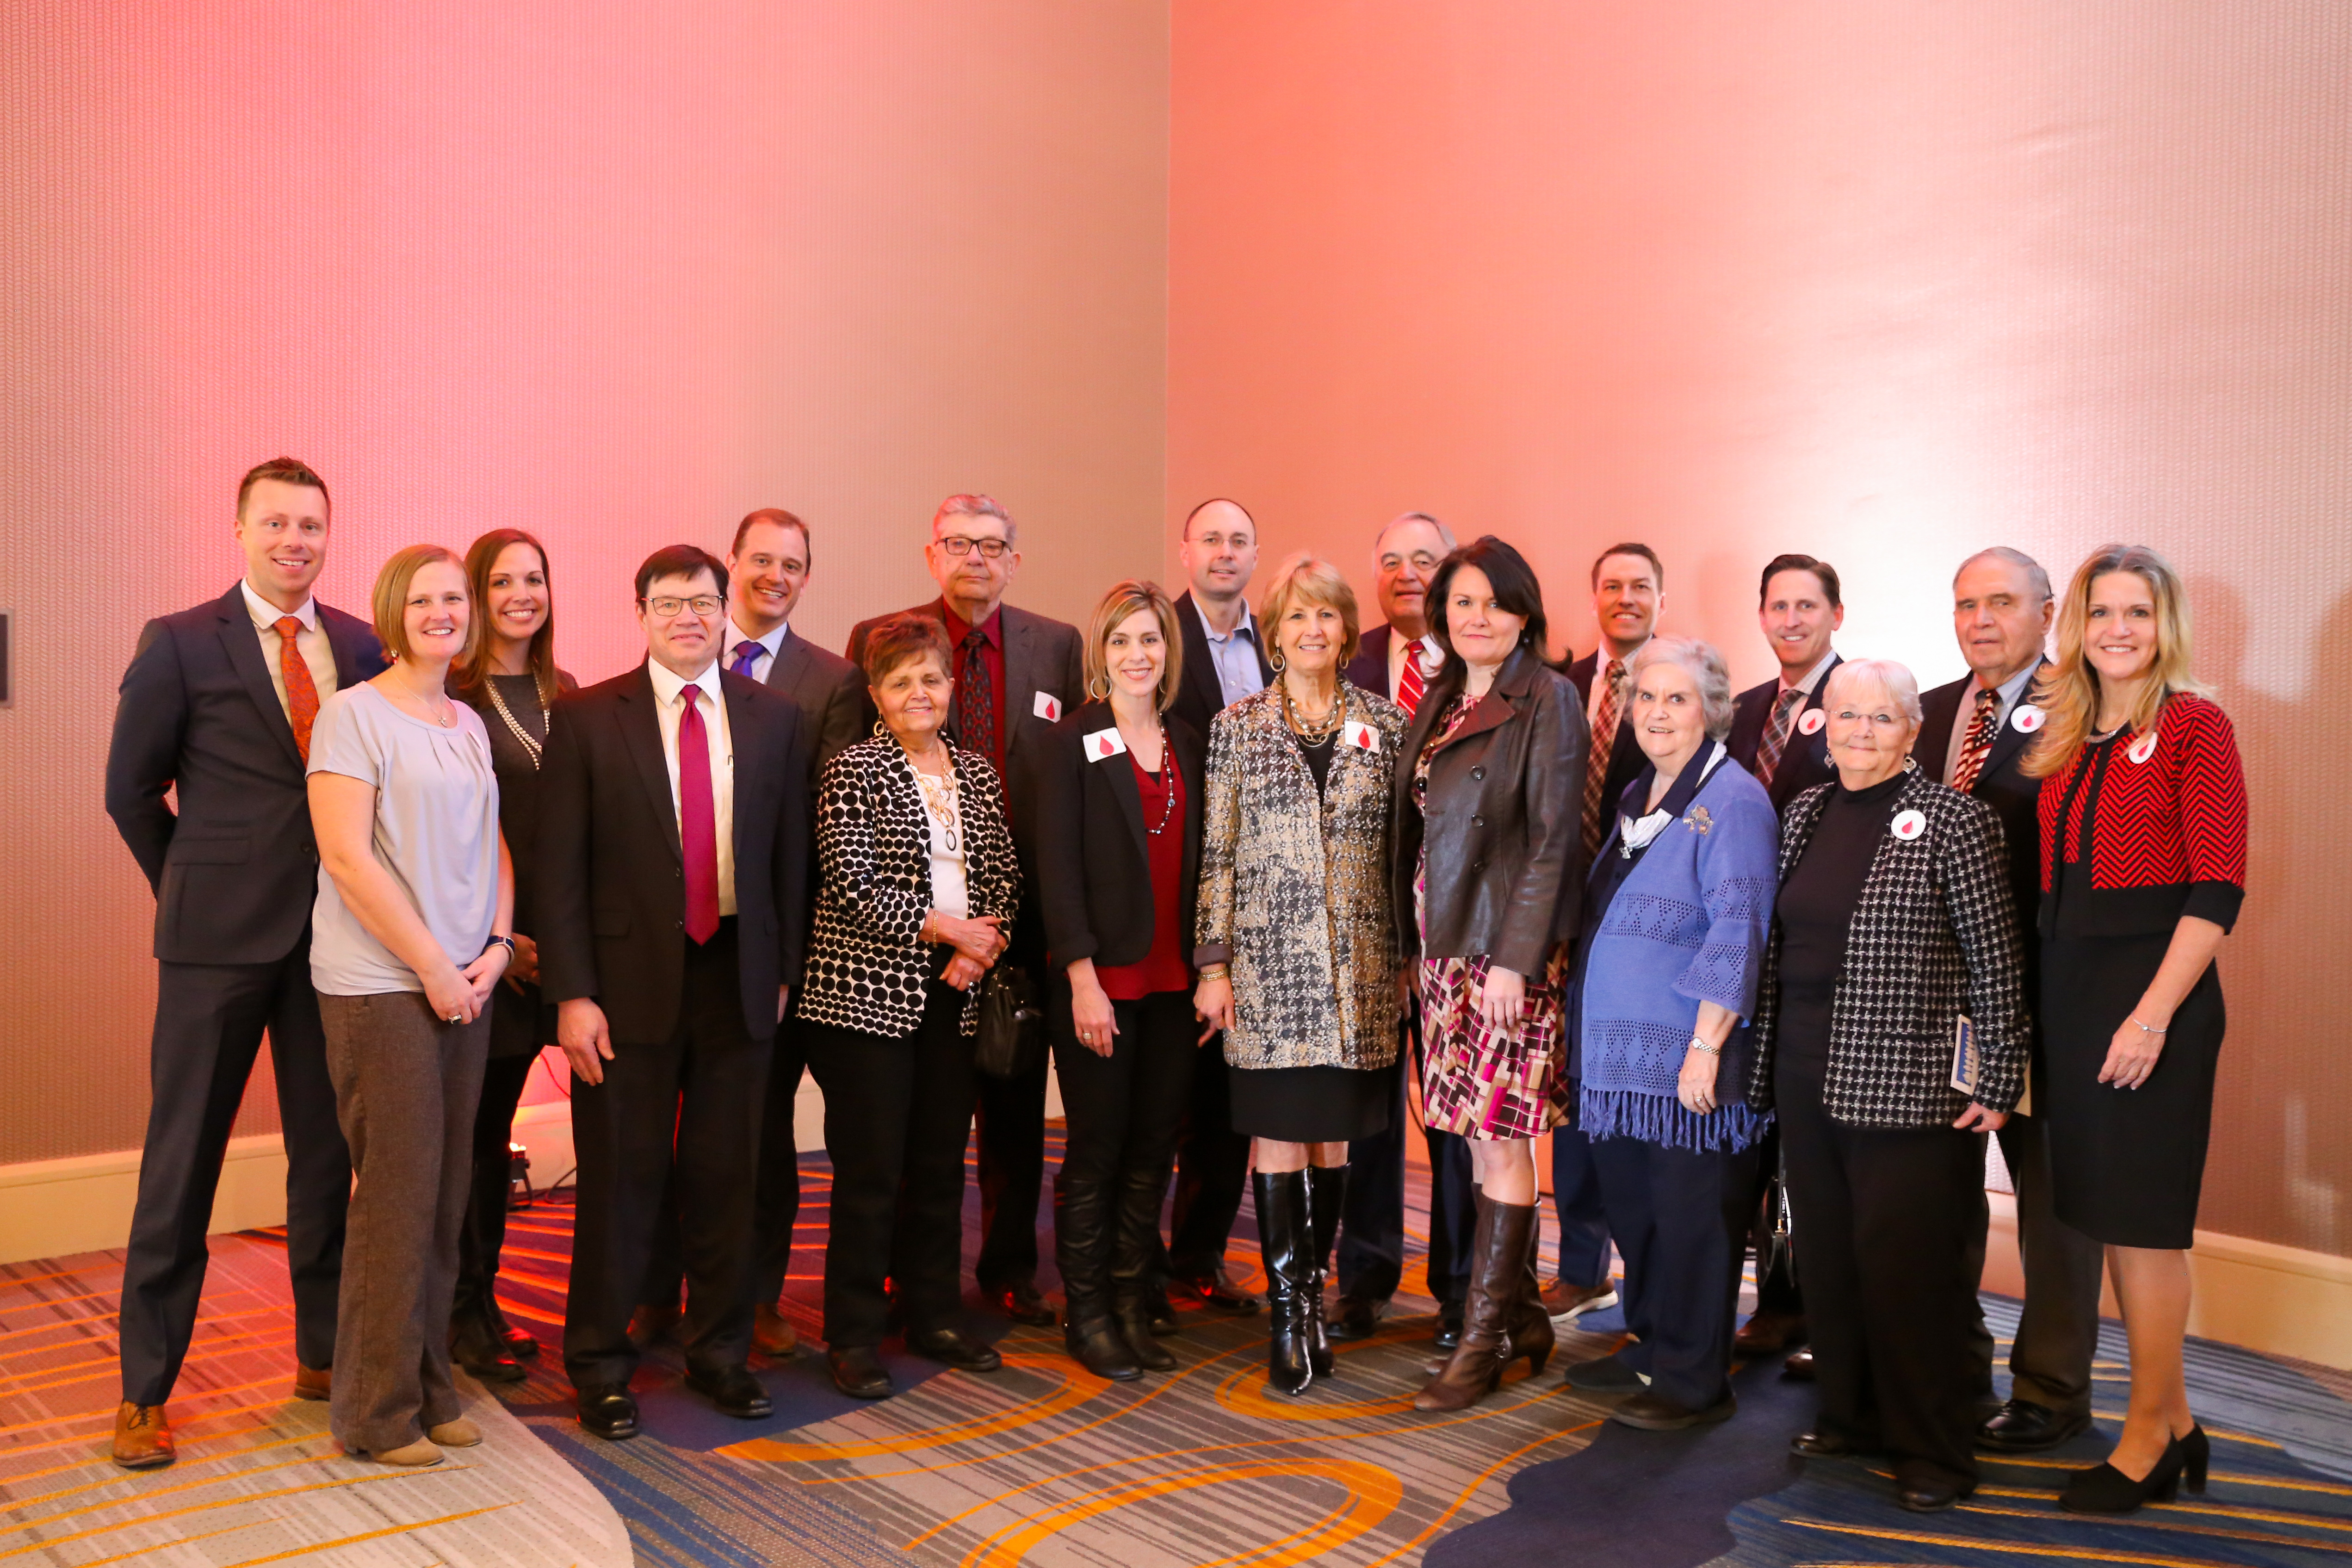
(832, 694)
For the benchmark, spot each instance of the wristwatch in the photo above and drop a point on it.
(1698, 1045)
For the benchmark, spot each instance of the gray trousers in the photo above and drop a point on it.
(405, 1088)
(2058, 1331)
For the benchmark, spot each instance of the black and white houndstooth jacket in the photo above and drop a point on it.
(1934, 937)
(867, 968)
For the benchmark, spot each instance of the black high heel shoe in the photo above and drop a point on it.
(2196, 1452)
(2103, 1489)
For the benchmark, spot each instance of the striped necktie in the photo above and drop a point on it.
(1775, 733)
(1410, 683)
(1596, 757)
(1982, 727)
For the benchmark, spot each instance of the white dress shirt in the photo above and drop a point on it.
(311, 642)
(770, 647)
(1398, 645)
(670, 706)
(2012, 692)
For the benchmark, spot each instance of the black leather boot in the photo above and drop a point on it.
(1285, 1235)
(1134, 1239)
(1327, 1187)
(1082, 1242)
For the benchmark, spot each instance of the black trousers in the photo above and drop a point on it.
(694, 1101)
(778, 1207)
(1011, 1114)
(1576, 1199)
(484, 1233)
(1371, 1212)
(1680, 1217)
(1890, 1222)
(897, 1116)
(1212, 1170)
(1123, 1111)
(209, 1020)
(2058, 1331)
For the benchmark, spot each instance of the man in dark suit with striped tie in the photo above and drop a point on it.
(1974, 736)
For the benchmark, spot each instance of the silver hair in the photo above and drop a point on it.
(1897, 679)
(1706, 670)
(1401, 519)
(976, 506)
(2034, 574)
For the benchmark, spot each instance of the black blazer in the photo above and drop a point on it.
(1078, 826)
(1805, 761)
(831, 692)
(2001, 784)
(612, 883)
(1200, 696)
(1505, 822)
(1626, 758)
(235, 868)
(1040, 655)
(1368, 670)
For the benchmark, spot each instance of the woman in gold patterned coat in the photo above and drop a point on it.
(1296, 942)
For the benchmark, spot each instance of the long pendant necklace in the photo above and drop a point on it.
(532, 748)
(941, 795)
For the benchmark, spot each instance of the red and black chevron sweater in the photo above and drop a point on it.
(2159, 824)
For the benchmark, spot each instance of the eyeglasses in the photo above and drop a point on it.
(1869, 721)
(701, 604)
(960, 545)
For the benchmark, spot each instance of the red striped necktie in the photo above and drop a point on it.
(1410, 683)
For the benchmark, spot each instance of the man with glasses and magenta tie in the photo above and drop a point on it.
(1009, 665)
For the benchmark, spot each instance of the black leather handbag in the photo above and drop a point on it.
(1012, 1038)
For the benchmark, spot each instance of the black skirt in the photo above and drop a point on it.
(1312, 1105)
(2125, 1164)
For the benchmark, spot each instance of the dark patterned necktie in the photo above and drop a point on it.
(1596, 757)
(973, 710)
(1776, 734)
(1982, 727)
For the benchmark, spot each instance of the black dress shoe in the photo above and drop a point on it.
(734, 1390)
(1162, 1311)
(1930, 1494)
(1608, 1374)
(1102, 1349)
(477, 1347)
(607, 1412)
(1023, 1302)
(1222, 1293)
(949, 1346)
(1449, 1325)
(519, 1346)
(1650, 1412)
(858, 1373)
(1358, 1319)
(1135, 1327)
(1799, 1366)
(1825, 1446)
(2020, 1426)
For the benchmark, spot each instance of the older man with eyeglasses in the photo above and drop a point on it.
(1009, 664)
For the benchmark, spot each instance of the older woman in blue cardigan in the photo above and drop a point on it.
(1678, 908)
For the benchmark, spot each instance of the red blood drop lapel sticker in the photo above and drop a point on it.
(1048, 707)
(1811, 721)
(1105, 743)
(1909, 824)
(2028, 718)
(2143, 748)
(1362, 736)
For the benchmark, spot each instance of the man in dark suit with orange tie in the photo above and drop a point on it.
(218, 704)
(1973, 736)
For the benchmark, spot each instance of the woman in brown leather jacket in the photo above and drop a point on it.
(1490, 860)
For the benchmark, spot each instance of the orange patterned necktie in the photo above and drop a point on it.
(301, 692)
(1596, 758)
(1982, 727)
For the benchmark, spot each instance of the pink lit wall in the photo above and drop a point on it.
(1885, 282)
(614, 273)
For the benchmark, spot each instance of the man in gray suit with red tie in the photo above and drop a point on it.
(217, 705)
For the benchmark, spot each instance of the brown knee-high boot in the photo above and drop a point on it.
(1498, 1270)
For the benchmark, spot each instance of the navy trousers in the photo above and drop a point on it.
(1371, 1214)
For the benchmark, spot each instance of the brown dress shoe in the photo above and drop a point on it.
(313, 1382)
(1768, 1333)
(1564, 1303)
(773, 1334)
(142, 1436)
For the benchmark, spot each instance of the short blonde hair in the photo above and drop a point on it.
(1123, 600)
(1307, 577)
(391, 606)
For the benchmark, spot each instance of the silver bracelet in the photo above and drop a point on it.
(2145, 1030)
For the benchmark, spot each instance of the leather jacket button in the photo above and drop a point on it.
(1479, 772)
(1477, 822)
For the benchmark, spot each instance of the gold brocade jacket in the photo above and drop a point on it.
(1295, 887)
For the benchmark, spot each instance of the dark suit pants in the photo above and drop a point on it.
(897, 1116)
(1011, 1114)
(1576, 1199)
(779, 1204)
(1211, 1170)
(2058, 1331)
(694, 1101)
(1680, 1216)
(407, 1084)
(1123, 1112)
(209, 1020)
(1888, 1221)
(1371, 1213)
(484, 1233)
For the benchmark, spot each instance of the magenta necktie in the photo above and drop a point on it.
(698, 818)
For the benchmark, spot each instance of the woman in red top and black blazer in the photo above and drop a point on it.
(2143, 816)
(1109, 829)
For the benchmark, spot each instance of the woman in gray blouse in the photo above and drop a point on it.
(412, 931)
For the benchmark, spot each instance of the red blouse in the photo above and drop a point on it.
(1163, 968)
(2140, 831)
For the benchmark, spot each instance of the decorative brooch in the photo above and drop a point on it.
(1699, 819)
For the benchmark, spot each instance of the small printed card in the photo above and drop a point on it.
(1964, 1057)
(1048, 707)
(1361, 735)
(1104, 744)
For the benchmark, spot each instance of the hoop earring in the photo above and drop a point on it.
(1277, 661)
(1101, 696)
(880, 729)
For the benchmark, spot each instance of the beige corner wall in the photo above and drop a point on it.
(616, 274)
(1885, 282)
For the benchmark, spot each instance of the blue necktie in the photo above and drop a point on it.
(747, 654)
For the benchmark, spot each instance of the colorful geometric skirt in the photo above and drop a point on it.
(1476, 1083)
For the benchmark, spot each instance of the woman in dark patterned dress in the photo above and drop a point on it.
(1489, 855)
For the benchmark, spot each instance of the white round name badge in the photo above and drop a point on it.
(1810, 724)
(1909, 824)
(2143, 748)
(2028, 718)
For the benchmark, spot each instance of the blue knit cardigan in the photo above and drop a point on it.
(1690, 924)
